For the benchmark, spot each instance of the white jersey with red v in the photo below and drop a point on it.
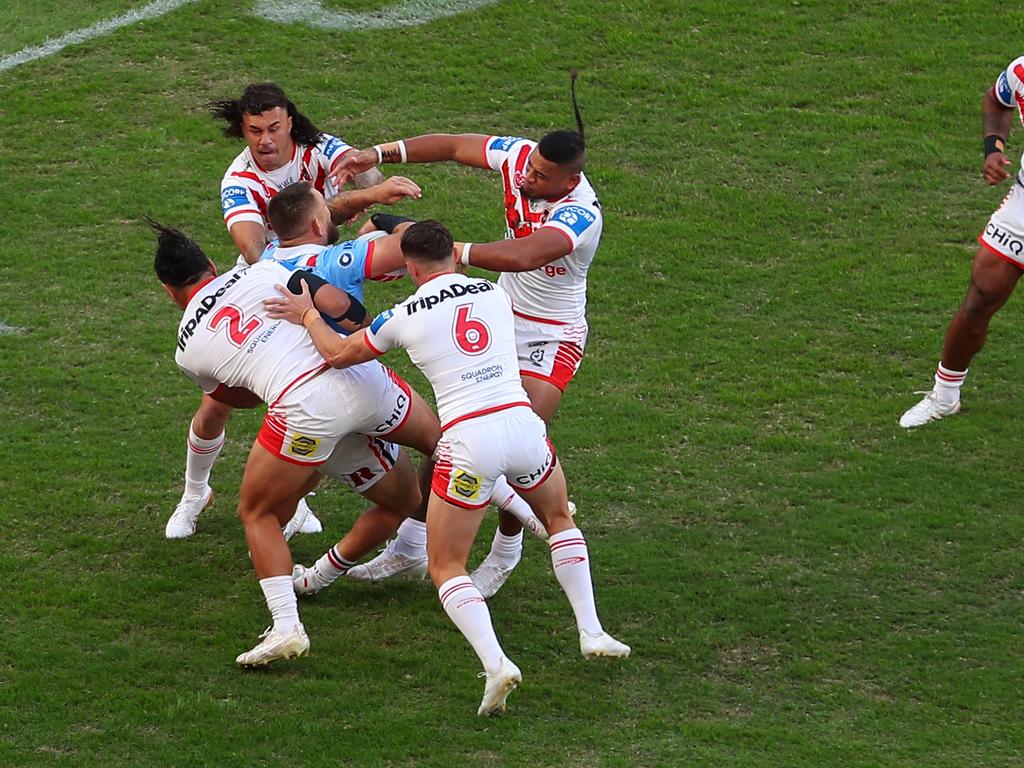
(555, 292)
(246, 189)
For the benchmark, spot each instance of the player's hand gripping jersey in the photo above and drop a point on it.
(556, 292)
(246, 189)
(459, 331)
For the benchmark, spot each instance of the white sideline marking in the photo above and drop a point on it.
(158, 8)
(9, 330)
(410, 13)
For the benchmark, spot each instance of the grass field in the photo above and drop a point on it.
(792, 193)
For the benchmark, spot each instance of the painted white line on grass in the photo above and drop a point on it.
(151, 11)
(410, 13)
(9, 330)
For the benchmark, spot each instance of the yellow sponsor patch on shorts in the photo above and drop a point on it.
(303, 446)
(466, 485)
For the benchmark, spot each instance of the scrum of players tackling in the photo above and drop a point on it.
(287, 326)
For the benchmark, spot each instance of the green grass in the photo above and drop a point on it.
(792, 193)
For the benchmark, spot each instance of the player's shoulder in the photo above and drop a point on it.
(507, 143)
(243, 163)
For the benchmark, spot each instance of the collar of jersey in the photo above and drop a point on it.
(295, 149)
(199, 287)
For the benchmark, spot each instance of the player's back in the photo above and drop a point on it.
(225, 336)
(460, 332)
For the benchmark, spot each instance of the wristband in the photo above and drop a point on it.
(306, 313)
(392, 152)
(465, 254)
(994, 143)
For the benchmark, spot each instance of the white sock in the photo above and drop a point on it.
(280, 596)
(330, 566)
(504, 497)
(506, 549)
(199, 459)
(412, 538)
(468, 611)
(571, 561)
(948, 383)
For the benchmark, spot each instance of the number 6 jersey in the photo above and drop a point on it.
(460, 332)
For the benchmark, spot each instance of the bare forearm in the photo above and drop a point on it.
(351, 202)
(996, 120)
(463, 148)
(337, 351)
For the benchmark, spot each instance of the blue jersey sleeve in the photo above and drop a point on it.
(344, 266)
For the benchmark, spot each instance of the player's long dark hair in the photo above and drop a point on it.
(179, 261)
(258, 98)
(566, 147)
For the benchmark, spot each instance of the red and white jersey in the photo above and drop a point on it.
(556, 292)
(1009, 90)
(460, 332)
(225, 336)
(246, 189)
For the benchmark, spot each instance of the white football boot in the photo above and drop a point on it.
(929, 409)
(311, 524)
(602, 645)
(276, 645)
(182, 523)
(491, 574)
(498, 688)
(388, 564)
(306, 581)
(301, 521)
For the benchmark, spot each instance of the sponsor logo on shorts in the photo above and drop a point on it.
(537, 357)
(303, 446)
(396, 414)
(529, 479)
(466, 485)
(1009, 241)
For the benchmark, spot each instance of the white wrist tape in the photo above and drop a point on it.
(465, 254)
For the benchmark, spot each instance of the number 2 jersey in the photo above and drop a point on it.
(557, 292)
(460, 332)
(225, 336)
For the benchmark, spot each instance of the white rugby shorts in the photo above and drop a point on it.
(474, 452)
(359, 461)
(1004, 233)
(306, 423)
(549, 351)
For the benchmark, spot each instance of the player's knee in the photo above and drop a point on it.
(211, 418)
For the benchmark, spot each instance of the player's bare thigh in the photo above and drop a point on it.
(421, 429)
(451, 531)
(993, 279)
(544, 397)
(549, 500)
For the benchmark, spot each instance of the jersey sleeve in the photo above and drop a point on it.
(498, 148)
(1009, 87)
(331, 149)
(238, 203)
(344, 268)
(577, 221)
(384, 332)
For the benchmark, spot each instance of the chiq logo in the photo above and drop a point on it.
(409, 13)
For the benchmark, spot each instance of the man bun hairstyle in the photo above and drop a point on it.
(567, 147)
(427, 240)
(291, 209)
(179, 261)
(257, 99)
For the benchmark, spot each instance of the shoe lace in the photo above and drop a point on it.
(266, 632)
